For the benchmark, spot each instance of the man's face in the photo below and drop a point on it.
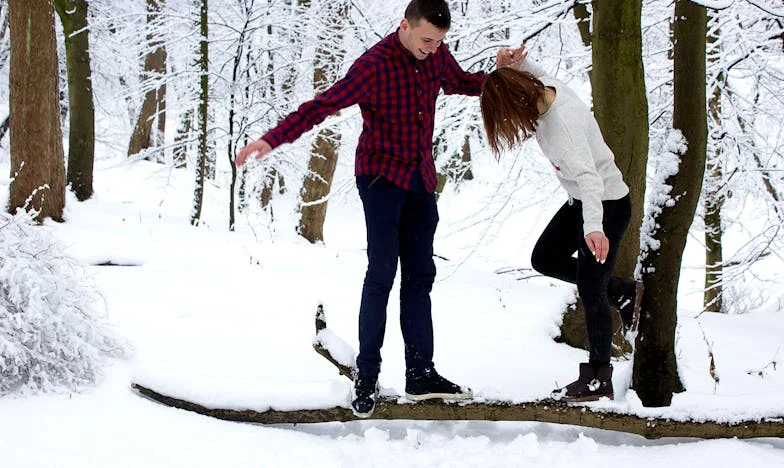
(421, 40)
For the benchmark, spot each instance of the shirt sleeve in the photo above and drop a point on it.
(347, 91)
(455, 80)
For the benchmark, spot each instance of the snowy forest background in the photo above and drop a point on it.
(183, 84)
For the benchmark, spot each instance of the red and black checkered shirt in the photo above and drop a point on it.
(397, 96)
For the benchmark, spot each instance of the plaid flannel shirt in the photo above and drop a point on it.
(397, 95)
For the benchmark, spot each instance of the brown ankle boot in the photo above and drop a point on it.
(593, 383)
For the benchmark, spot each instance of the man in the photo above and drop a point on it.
(396, 83)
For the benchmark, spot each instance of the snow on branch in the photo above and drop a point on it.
(660, 191)
(714, 4)
(52, 336)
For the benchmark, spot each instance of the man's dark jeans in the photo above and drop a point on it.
(552, 256)
(400, 224)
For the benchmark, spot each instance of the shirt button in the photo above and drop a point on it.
(416, 70)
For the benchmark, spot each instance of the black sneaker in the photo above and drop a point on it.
(364, 396)
(427, 383)
(594, 382)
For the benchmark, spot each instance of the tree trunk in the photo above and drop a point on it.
(324, 153)
(548, 411)
(233, 140)
(465, 161)
(182, 141)
(37, 164)
(583, 18)
(655, 371)
(4, 126)
(621, 107)
(714, 196)
(81, 127)
(154, 104)
(201, 167)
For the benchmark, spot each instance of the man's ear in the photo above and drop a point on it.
(404, 24)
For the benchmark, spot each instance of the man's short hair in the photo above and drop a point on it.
(436, 12)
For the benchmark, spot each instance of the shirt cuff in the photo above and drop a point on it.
(271, 139)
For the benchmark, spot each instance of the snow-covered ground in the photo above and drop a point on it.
(226, 319)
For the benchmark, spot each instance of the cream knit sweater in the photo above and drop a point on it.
(569, 136)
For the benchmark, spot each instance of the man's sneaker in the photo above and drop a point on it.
(626, 297)
(594, 382)
(427, 383)
(364, 396)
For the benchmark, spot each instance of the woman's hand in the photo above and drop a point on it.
(509, 57)
(598, 244)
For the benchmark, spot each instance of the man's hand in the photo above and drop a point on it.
(598, 244)
(256, 149)
(509, 57)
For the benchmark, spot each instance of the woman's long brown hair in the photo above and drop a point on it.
(509, 107)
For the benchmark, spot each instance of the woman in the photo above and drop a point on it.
(517, 104)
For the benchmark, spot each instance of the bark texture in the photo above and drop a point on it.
(548, 411)
(715, 196)
(655, 371)
(81, 127)
(202, 114)
(621, 106)
(37, 161)
(621, 109)
(154, 105)
(324, 152)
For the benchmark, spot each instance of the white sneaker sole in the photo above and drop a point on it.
(363, 415)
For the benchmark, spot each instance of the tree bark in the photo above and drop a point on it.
(324, 152)
(154, 105)
(81, 128)
(714, 197)
(655, 371)
(549, 411)
(621, 107)
(37, 160)
(202, 125)
(583, 18)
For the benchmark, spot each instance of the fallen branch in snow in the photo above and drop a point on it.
(340, 354)
(548, 411)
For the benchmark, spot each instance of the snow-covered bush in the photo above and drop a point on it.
(52, 335)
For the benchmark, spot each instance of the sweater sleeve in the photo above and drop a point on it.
(531, 66)
(581, 168)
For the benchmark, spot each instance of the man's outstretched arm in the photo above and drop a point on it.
(347, 91)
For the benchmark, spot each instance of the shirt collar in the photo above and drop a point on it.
(400, 47)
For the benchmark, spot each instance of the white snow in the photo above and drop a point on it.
(224, 320)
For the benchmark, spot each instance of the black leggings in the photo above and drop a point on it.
(553, 256)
